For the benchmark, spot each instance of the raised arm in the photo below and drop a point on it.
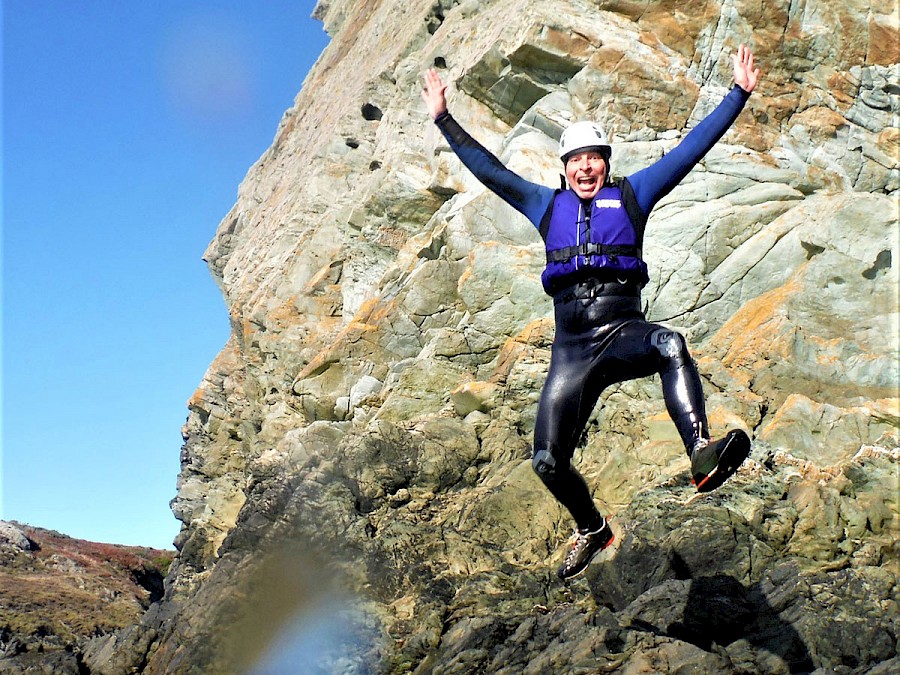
(656, 181)
(526, 197)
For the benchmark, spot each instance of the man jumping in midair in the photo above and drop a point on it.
(593, 233)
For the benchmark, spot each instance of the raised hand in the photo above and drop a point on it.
(745, 75)
(434, 94)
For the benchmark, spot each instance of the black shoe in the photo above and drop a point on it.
(585, 545)
(715, 462)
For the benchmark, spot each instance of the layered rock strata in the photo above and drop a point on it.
(357, 459)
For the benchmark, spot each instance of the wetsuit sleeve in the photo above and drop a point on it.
(526, 197)
(656, 181)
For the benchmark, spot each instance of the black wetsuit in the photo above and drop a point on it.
(602, 336)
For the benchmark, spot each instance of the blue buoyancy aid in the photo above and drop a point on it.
(597, 236)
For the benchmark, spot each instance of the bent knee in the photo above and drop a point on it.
(544, 464)
(669, 344)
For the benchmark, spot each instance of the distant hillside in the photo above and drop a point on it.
(56, 591)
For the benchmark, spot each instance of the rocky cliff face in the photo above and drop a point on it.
(356, 468)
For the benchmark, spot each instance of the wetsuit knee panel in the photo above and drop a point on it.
(670, 345)
(544, 464)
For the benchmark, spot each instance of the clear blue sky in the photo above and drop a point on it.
(127, 128)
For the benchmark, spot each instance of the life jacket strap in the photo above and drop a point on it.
(569, 252)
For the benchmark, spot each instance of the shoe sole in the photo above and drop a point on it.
(590, 560)
(737, 449)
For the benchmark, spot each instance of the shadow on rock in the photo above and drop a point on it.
(719, 612)
(694, 596)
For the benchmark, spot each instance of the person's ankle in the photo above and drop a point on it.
(594, 526)
(698, 445)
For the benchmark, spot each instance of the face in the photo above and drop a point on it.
(586, 173)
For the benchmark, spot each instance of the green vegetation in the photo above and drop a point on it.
(67, 590)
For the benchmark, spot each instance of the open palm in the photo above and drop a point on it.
(434, 94)
(745, 75)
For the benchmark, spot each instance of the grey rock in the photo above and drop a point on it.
(12, 536)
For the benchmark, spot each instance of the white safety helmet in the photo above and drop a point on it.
(582, 136)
